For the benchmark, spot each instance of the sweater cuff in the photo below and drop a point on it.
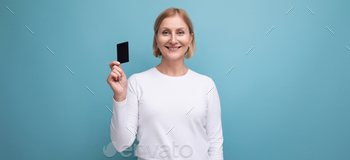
(119, 104)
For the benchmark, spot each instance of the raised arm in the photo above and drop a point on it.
(125, 119)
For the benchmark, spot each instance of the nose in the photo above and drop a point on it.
(173, 39)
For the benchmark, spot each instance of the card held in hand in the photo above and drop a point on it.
(123, 52)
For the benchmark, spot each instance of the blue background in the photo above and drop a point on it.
(288, 98)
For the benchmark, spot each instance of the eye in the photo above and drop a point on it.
(181, 32)
(165, 32)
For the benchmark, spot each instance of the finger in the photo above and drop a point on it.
(117, 73)
(113, 76)
(116, 66)
(119, 70)
(113, 63)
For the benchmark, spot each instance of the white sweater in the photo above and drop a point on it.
(173, 117)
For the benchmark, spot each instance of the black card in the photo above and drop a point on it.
(123, 52)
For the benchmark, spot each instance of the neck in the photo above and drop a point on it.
(172, 68)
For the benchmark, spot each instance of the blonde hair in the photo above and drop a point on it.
(168, 13)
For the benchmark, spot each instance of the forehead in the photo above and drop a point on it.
(173, 22)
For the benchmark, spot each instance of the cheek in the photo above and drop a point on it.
(185, 38)
(162, 41)
(185, 41)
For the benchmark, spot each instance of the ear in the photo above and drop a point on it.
(155, 36)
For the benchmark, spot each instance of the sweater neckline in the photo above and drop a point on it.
(171, 77)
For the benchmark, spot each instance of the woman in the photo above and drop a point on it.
(174, 111)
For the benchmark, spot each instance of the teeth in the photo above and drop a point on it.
(174, 48)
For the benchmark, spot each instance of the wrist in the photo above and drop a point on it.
(119, 99)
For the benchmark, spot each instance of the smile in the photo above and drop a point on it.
(173, 49)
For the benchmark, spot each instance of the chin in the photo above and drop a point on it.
(174, 55)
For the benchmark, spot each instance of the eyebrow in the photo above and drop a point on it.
(176, 29)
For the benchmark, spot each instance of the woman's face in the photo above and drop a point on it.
(173, 38)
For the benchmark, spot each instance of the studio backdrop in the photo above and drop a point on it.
(282, 70)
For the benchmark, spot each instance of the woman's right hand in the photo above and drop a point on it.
(118, 81)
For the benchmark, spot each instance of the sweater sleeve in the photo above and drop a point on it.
(214, 127)
(124, 121)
